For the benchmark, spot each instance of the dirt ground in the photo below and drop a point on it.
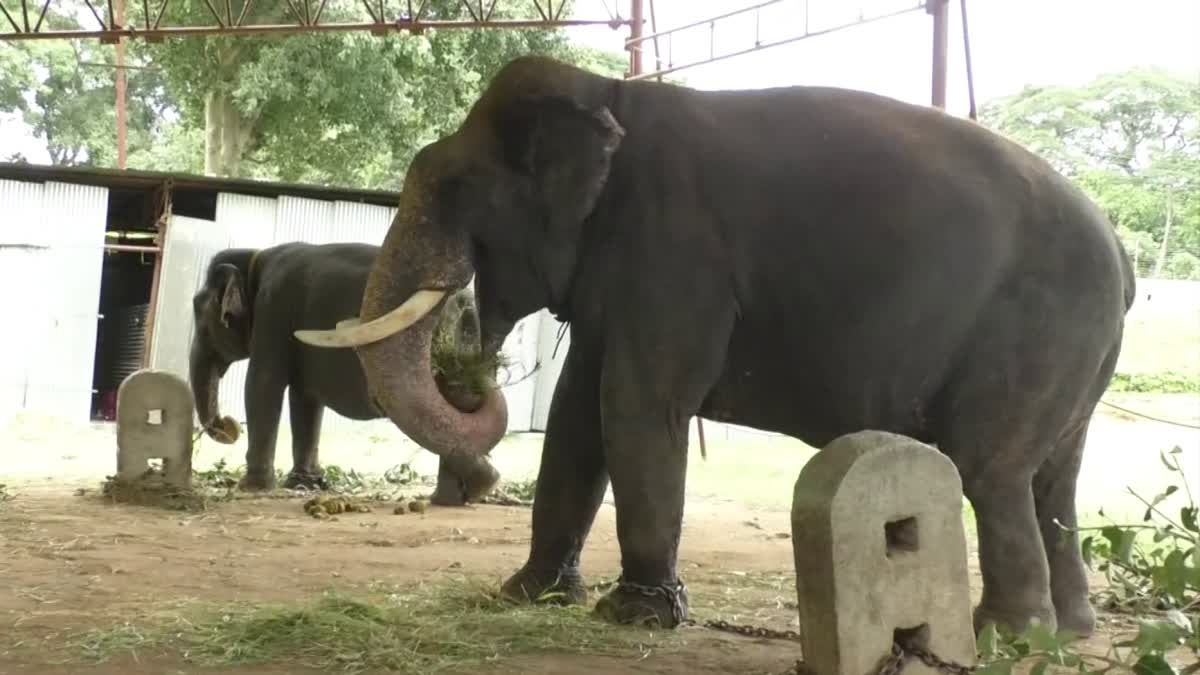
(70, 562)
(73, 562)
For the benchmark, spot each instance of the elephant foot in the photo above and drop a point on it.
(1079, 619)
(563, 587)
(256, 483)
(306, 480)
(664, 606)
(463, 480)
(1013, 621)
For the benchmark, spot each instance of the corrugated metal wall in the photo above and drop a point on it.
(54, 244)
(245, 222)
(189, 243)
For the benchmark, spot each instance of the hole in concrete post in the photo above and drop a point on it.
(917, 636)
(154, 416)
(902, 536)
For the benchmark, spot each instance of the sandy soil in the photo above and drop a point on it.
(68, 563)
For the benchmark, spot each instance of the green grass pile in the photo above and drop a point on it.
(451, 625)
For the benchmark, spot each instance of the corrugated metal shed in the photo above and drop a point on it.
(51, 237)
(54, 237)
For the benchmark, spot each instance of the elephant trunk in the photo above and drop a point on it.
(205, 370)
(399, 367)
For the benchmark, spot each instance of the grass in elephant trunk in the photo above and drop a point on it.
(460, 370)
(453, 624)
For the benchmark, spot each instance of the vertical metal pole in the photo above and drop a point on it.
(118, 21)
(940, 10)
(635, 32)
(654, 32)
(160, 240)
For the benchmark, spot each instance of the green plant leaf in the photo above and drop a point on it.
(1156, 637)
(1039, 668)
(1152, 664)
(1171, 466)
(1188, 515)
(1120, 540)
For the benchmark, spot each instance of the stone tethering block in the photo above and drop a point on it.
(879, 545)
(154, 421)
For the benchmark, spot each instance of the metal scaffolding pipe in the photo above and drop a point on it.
(635, 38)
(940, 10)
(112, 34)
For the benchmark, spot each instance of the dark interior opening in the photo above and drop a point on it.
(125, 285)
(902, 536)
(194, 203)
(908, 638)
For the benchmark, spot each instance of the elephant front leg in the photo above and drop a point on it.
(306, 416)
(647, 460)
(264, 403)
(653, 383)
(570, 486)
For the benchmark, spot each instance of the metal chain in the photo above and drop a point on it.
(753, 631)
(672, 592)
(893, 663)
(937, 663)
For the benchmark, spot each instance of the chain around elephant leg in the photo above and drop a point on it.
(664, 605)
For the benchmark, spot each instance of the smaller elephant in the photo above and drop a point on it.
(249, 304)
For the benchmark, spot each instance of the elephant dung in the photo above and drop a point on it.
(154, 421)
(880, 553)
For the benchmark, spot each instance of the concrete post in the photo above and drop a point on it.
(879, 546)
(154, 421)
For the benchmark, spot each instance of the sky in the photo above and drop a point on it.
(1013, 43)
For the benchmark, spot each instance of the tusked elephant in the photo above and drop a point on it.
(248, 306)
(807, 260)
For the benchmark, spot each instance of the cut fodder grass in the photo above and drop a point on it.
(152, 489)
(448, 626)
(466, 372)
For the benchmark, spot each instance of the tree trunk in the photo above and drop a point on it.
(1161, 262)
(227, 132)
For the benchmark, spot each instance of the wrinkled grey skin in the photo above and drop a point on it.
(806, 260)
(250, 313)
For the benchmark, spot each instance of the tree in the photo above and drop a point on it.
(1132, 141)
(334, 108)
(348, 108)
(65, 92)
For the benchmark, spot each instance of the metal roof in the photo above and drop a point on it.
(147, 180)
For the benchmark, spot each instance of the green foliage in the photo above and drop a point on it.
(333, 108)
(1131, 140)
(1152, 568)
(1154, 565)
(65, 91)
(1155, 383)
(1040, 648)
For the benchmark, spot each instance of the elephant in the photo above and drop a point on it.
(248, 306)
(813, 261)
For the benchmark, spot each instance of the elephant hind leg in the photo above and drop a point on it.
(306, 416)
(1054, 496)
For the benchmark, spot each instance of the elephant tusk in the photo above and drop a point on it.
(354, 333)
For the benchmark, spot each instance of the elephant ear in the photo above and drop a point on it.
(228, 280)
(567, 150)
